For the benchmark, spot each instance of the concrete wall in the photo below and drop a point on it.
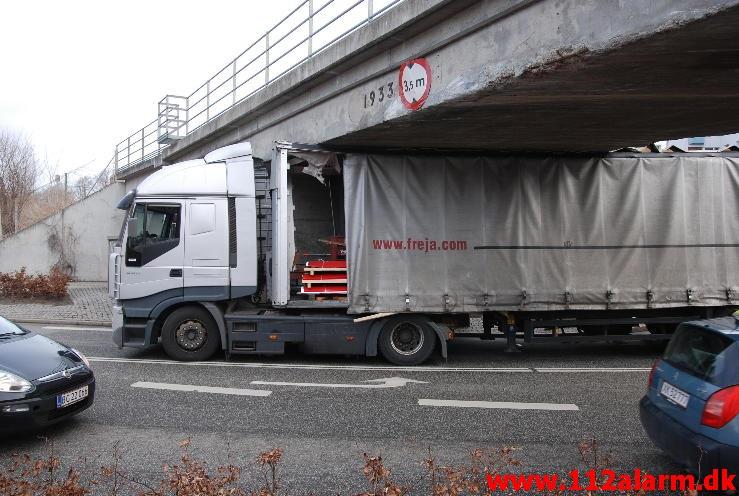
(77, 237)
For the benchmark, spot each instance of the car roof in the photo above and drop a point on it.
(728, 326)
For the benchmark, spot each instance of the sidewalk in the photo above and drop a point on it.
(90, 305)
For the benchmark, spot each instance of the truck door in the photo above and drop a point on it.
(281, 259)
(206, 266)
(154, 251)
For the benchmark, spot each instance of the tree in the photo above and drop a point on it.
(19, 169)
(83, 187)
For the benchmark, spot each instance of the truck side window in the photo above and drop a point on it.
(157, 231)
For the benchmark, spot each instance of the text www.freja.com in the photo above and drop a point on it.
(424, 245)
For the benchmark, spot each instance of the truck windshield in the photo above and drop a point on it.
(698, 351)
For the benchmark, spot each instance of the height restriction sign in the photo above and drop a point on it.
(414, 81)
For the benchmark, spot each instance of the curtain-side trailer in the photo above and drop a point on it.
(395, 255)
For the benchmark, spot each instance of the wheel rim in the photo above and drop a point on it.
(191, 335)
(406, 338)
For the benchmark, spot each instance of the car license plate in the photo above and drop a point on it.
(675, 395)
(71, 397)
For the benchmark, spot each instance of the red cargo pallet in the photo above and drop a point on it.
(324, 290)
(314, 266)
(333, 278)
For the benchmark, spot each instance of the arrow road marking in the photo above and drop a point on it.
(505, 405)
(390, 382)
(201, 389)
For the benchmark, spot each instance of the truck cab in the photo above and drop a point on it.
(183, 241)
(207, 257)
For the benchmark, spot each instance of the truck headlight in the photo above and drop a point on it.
(11, 383)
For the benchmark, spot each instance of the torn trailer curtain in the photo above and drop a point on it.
(465, 234)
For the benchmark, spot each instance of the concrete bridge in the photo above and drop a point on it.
(503, 76)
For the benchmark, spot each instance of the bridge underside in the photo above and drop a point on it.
(672, 84)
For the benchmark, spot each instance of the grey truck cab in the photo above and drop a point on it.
(207, 255)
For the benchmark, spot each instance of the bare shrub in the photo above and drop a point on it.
(26, 476)
(21, 284)
(379, 478)
(40, 477)
(268, 462)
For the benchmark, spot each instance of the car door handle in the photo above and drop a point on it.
(175, 273)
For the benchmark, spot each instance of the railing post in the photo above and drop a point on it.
(310, 27)
(266, 54)
(187, 115)
(207, 101)
(142, 143)
(128, 150)
(369, 10)
(115, 166)
(233, 80)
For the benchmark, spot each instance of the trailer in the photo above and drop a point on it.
(396, 254)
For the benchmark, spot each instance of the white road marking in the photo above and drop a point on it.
(300, 366)
(386, 368)
(577, 370)
(505, 405)
(75, 328)
(390, 382)
(201, 389)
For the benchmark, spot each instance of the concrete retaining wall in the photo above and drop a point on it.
(78, 238)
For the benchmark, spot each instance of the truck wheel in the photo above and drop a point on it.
(190, 334)
(407, 340)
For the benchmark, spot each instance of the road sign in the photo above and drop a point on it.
(414, 83)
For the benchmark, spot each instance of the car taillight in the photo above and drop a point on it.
(721, 407)
(651, 373)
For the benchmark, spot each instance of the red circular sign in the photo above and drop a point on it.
(414, 81)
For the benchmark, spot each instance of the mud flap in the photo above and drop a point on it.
(442, 331)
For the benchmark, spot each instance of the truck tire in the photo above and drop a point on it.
(407, 340)
(190, 334)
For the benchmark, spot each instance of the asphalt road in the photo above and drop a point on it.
(580, 392)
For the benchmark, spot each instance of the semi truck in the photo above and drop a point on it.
(397, 254)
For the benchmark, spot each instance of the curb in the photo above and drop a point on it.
(96, 323)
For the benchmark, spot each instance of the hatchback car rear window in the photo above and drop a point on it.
(698, 351)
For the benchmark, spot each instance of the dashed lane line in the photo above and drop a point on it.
(201, 389)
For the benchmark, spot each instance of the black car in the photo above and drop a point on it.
(41, 381)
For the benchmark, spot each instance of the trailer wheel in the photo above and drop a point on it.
(190, 334)
(407, 340)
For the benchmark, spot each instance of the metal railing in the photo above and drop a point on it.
(307, 30)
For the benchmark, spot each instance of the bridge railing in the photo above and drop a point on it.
(308, 29)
